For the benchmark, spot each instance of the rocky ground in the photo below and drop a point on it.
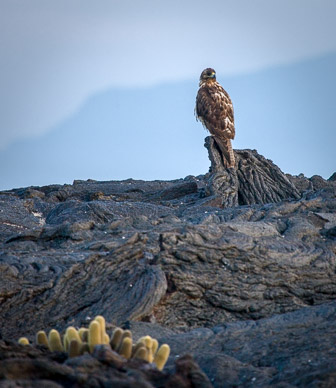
(235, 267)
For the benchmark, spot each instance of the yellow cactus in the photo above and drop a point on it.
(41, 338)
(126, 348)
(161, 356)
(84, 340)
(72, 334)
(65, 343)
(116, 338)
(155, 345)
(102, 324)
(148, 342)
(106, 339)
(84, 334)
(54, 341)
(152, 350)
(23, 341)
(137, 346)
(94, 335)
(126, 334)
(74, 348)
(141, 353)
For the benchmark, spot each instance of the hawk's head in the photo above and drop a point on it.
(208, 74)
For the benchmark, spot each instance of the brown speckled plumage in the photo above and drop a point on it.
(214, 109)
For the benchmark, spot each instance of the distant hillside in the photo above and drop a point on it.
(286, 113)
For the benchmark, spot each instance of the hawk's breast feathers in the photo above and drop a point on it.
(214, 109)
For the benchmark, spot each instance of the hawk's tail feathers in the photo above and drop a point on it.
(227, 152)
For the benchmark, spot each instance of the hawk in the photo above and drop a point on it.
(215, 111)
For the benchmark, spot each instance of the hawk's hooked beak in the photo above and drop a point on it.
(213, 75)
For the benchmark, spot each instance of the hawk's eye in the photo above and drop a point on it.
(209, 73)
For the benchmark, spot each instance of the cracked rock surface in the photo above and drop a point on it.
(241, 276)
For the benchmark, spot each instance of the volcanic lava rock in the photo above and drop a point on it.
(236, 267)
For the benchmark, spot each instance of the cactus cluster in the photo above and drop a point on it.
(76, 342)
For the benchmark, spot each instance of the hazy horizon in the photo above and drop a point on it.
(151, 133)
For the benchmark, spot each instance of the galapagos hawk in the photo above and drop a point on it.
(215, 111)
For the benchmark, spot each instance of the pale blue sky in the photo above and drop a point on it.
(56, 54)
